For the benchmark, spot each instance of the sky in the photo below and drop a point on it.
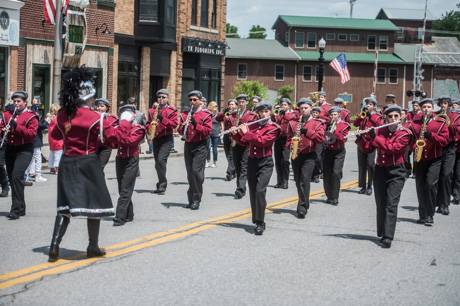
(245, 13)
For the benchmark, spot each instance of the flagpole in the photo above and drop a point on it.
(374, 83)
(57, 62)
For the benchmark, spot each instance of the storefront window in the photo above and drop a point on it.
(41, 75)
(3, 74)
(128, 81)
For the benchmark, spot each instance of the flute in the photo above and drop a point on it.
(360, 132)
(247, 124)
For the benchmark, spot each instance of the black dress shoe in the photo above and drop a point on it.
(159, 191)
(328, 201)
(277, 186)
(445, 211)
(94, 252)
(188, 205)
(284, 186)
(429, 221)
(27, 183)
(316, 179)
(259, 230)
(195, 205)
(362, 191)
(335, 202)
(239, 195)
(421, 221)
(301, 214)
(369, 191)
(118, 222)
(439, 210)
(386, 243)
(4, 193)
(12, 216)
(455, 201)
(228, 177)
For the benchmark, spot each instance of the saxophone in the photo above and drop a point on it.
(238, 118)
(296, 139)
(421, 143)
(153, 125)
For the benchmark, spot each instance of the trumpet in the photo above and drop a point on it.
(363, 114)
(230, 113)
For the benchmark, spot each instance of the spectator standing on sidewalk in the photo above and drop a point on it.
(34, 171)
(214, 138)
(56, 145)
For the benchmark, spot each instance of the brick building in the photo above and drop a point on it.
(409, 22)
(9, 42)
(178, 45)
(359, 39)
(31, 66)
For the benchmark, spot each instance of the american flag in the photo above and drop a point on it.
(49, 10)
(339, 64)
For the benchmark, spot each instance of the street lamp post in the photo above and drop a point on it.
(322, 46)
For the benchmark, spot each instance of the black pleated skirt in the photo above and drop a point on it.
(82, 190)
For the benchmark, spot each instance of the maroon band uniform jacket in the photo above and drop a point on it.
(168, 122)
(391, 146)
(25, 130)
(199, 128)
(439, 136)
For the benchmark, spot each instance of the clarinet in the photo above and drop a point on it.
(187, 122)
(7, 128)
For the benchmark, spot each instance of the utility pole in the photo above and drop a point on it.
(352, 3)
(57, 62)
(418, 71)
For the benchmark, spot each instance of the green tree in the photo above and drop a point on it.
(285, 91)
(231, 31)
(251, 89)
(450, 21)
(258, 32)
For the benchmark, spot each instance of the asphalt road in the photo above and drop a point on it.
(174, 256)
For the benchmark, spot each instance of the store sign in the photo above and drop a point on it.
(201, 46)
(9, 27)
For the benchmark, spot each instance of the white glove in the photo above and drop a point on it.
(128, 116)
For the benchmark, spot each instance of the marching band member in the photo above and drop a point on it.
(103, 107)
(415, 110)
(390, 173)
(334, 155)
(366, 152)
(434, 133)
(344, 113)
(240, 149)
(259, 138)
(448, 156)
(82, 190)
(19, 128)
(325, 107)
(162, 120)
(390, 99)
(319, 149)
(281, 151)
(131, 133)
(195, 127)
(228, 117)
(456, 177)
(310, 133)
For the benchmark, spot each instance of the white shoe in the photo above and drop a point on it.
(213, 166)
(40, 179)
(207, 165)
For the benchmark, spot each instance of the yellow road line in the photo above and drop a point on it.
(36, 272)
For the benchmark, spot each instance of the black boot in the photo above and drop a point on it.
(60, 226)
(93, 249)
(260, 228)
(5, 191)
